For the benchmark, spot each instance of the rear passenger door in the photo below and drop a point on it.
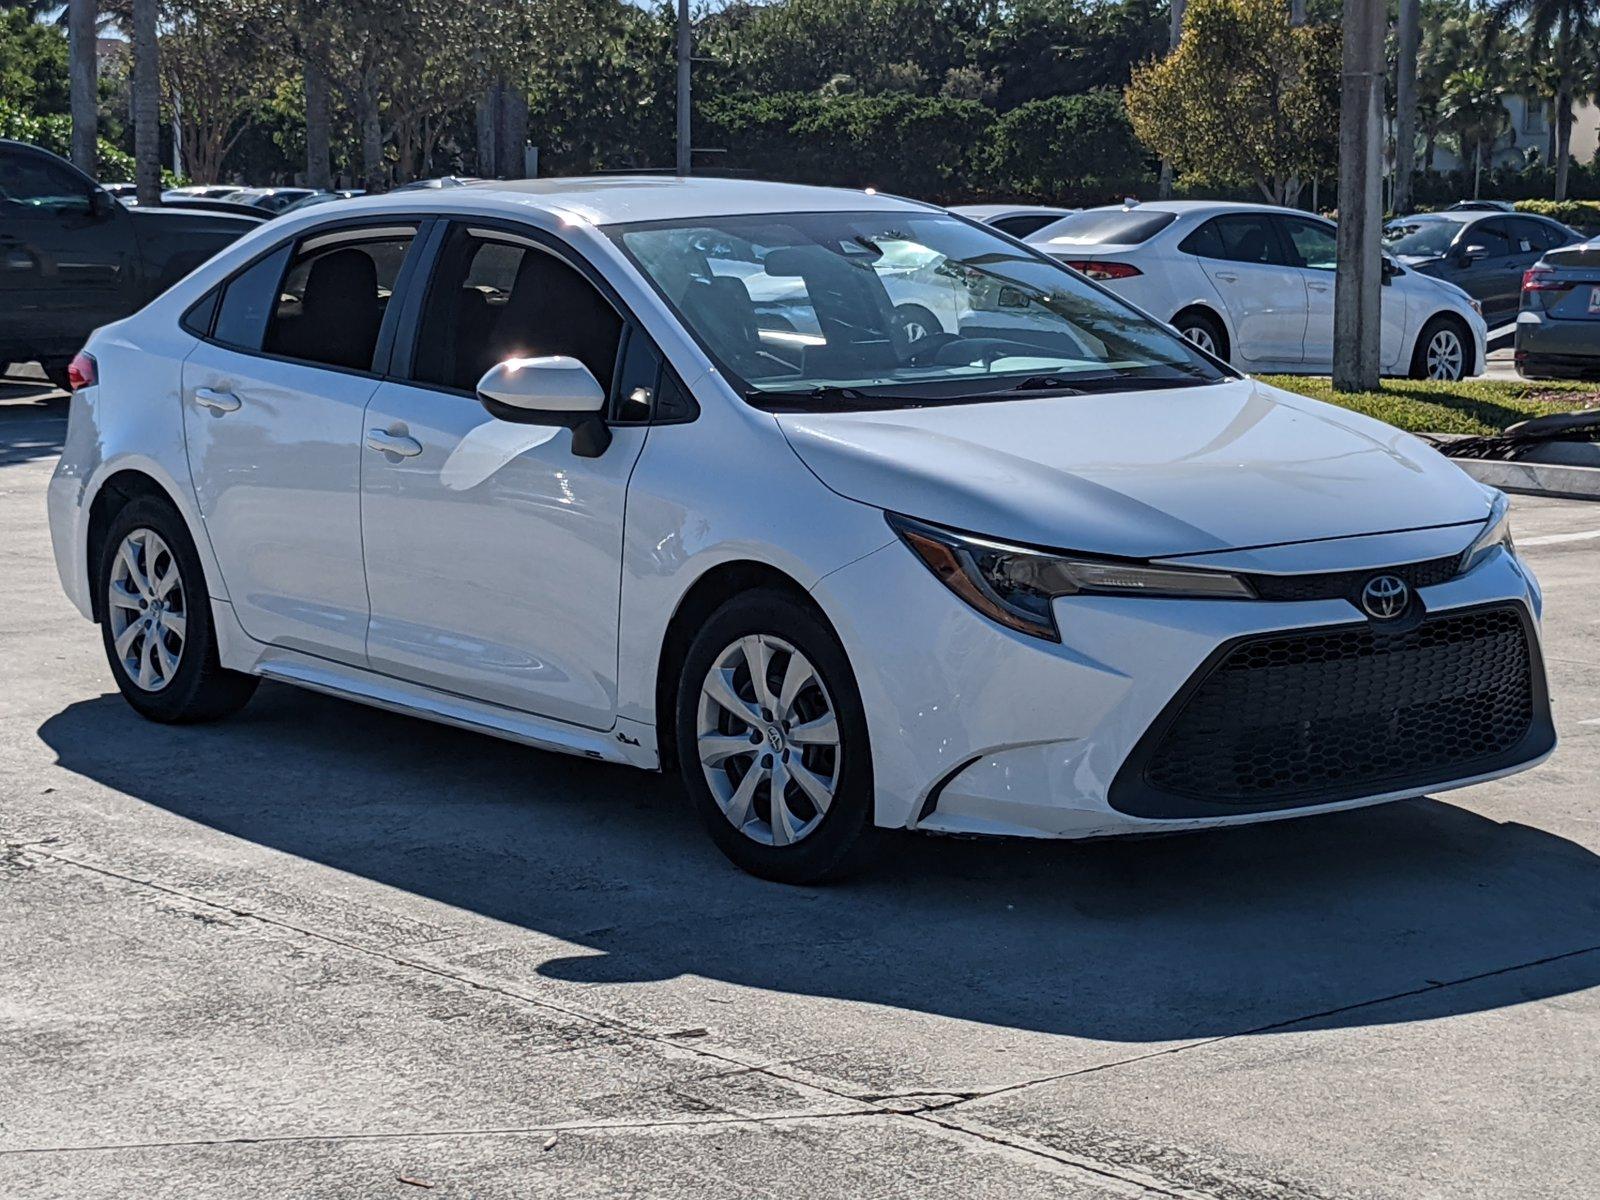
(493, 551)
(1248, 264)
(273, 398)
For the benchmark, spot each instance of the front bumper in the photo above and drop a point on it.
(978, 730)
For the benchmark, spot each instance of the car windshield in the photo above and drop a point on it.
(805, 310)
(1424, 237)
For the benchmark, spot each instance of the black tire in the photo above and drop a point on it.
(1420, 368)
(1191, 324)
(844, 837)
(198, 688)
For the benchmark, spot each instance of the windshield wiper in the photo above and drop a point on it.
(832, 396)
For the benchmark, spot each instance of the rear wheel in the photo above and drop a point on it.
(772, 741)
(1203, 331)
(1441, 350)
(156, 620)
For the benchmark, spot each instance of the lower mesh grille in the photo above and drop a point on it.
(1316, 716)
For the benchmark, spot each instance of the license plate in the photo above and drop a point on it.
(1594, 300)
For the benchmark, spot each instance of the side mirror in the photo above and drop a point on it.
(553, 389)
(102, 204)
(1473, 253)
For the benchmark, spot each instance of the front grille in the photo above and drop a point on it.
(1347, 585)
(1316, 716)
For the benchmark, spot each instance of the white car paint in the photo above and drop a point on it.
(1277, 317)
(492, 579)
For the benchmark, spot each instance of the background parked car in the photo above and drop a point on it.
(273, 199)
(1483, 253)
(1558, 327)
(321, 198)
(73, 259)
(1253, 284)
(203, 204)
(120, 190)
(1019, 220)
(200, 191)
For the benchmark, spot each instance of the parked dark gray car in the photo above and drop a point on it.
(1558, 328)
(1483, 253)
(73, 259)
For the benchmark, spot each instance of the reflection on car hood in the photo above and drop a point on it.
(1142, 474)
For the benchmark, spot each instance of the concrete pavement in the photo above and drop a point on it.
(320, 950)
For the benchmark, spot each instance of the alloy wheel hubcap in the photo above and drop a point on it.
(146, 606)
(768, 740)
(1444, 356)
(1200, 338)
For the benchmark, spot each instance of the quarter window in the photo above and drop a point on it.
(1249, 238)
(248, 302)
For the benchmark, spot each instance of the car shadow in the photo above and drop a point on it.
(33, 420)
(1134, 941)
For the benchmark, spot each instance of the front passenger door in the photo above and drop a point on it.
(493, 551)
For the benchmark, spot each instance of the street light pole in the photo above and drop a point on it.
(683, 88)
(1358, 278)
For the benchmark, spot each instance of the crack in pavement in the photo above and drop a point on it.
(925, 1105)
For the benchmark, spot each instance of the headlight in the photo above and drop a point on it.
(1014, 585)
(1496, 533)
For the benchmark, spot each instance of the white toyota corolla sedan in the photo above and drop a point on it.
(1253, 284)
(530, 458)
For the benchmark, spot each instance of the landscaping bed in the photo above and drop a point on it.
(1473, 406)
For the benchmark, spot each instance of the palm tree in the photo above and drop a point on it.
(1474, 111)
(1561, 30)
(146, 103)
(85, 85)
(1407, 36)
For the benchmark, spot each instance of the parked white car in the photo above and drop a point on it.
(1019, 220)
(519, 457)
(1253, 284)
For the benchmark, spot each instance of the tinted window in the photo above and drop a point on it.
(1249, 238)
(1021, 227)
(1313, 243)
(1205, 241)
(1537, 235)
(332, 301)
(1107, 227)
(1493, 236)
(637, 380)
(494, 299)
(248, 301)
(31, 186)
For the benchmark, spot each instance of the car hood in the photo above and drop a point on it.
(1143, 474)
(177, 221)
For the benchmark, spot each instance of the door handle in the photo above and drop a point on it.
(219, 402)
(1226, 276)
(1317, 287)
(385, 442)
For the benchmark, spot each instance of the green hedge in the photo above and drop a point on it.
(1578, 213)
(54, 133)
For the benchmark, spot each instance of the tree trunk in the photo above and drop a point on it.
(146, 103)
(1174, 36)
(85, 85)
(1477, 168)
(1405, 105)
(1563, 141)
(318, 134)
(371, 136)
(488, 124)
(1297, 12)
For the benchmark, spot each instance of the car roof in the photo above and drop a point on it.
(1459, 216)
(618, 199)
(1185, 207)
(1002, 210)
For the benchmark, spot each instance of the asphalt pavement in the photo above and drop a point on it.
(324, 951)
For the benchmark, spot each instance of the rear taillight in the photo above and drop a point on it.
(1104, 270)
(1536, 280)
(83, 371)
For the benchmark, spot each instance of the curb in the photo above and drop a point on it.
(1535, 479)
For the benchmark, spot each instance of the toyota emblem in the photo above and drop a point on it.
(1385, 597)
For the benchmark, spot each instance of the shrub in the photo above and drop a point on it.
(1061, 147)
(1581, 214)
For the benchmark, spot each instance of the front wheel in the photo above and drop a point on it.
(1441, 351)
(772, 741)
(156, 620)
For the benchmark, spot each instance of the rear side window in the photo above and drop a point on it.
(1107, 227)
(247, 303)
(331, 304)
(1249, 238)
(1022, 226)
(1205, 241)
